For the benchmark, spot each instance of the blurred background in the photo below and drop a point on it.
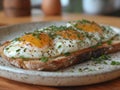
(92, 7)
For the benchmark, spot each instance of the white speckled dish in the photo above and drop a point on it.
(85, 73)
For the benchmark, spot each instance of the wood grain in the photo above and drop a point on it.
(6, 84)
(1, 24)
(65, 17)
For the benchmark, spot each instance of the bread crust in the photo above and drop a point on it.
(62, 61)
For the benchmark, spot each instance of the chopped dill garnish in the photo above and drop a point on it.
(36, 34)
(105, 62)
(44, 59)
(59, 46)
(78, 35)
(67, 53)
(80, 70)
(52, 35)
(25, 49)
(17, 50)
(59, 28)
(83, 21)
(106, 28)
(98, 44)
(16, 39)
(22, 57)
(101, 59)
(13, 57)
(7, 48)
(109, 42)
(115, 63)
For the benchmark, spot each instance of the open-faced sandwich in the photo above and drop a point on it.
(55, 47)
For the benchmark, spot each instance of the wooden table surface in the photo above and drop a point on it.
(6, 84)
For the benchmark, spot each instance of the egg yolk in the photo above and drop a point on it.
(41, 41)
(70, 34)
(90, 27)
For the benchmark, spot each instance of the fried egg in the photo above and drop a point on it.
(55, 41)
(95, 31)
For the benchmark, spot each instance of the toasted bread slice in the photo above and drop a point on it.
(84, 31)
(62, 61)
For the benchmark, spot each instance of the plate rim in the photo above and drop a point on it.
(55, 74)
(43, 72)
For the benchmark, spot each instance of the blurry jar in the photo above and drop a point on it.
(117, 4)
(93, 6)
(51, 7)
(15, 8)
(100, 6)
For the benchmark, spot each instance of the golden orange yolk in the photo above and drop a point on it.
(43, 40)
(90, 27)
(70, 34)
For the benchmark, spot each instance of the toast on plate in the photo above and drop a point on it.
(56, 47)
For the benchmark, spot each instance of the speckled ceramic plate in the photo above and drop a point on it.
(89, 72)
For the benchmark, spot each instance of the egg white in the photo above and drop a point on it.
(17, 49)
(106, 35)
(20, 49)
